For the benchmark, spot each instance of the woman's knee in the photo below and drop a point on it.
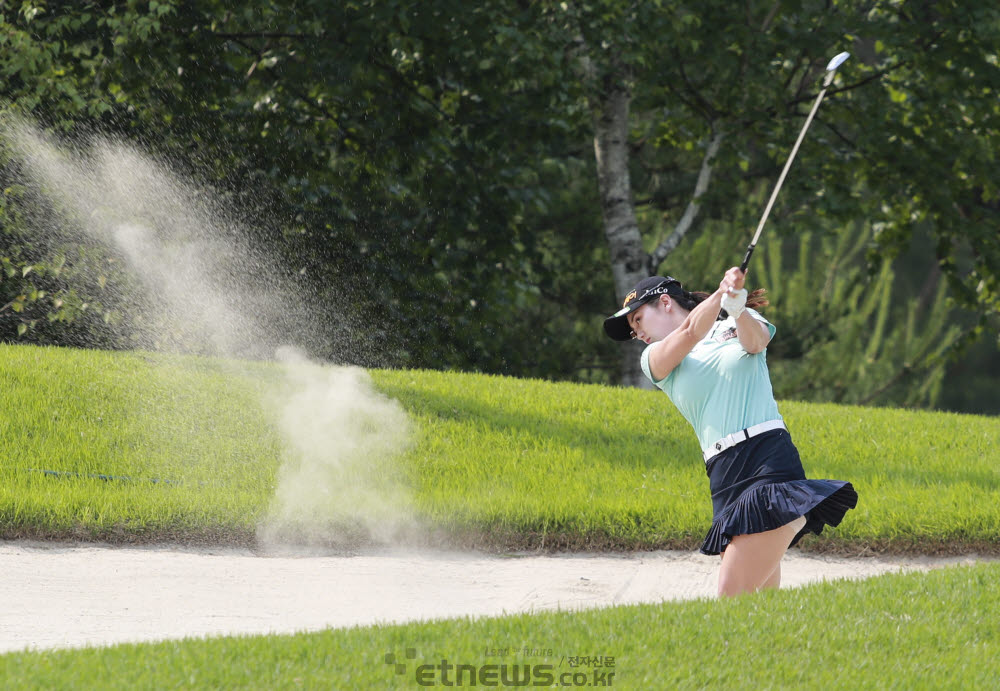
(740, 573)
(730, 585)
(749, 579)
(774, 580)
(751, 560)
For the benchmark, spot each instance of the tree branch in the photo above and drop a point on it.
(241, 38)
(242, 35)
(704, 106)
(687, 102)
(895, 379)
(691, 212)
(791, 72)
(850, 87)
(806, 73)
(839, 134)
(405, 84)
(770, 17)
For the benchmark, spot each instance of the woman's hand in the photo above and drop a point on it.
(733, 280)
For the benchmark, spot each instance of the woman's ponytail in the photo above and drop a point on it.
(758, 299)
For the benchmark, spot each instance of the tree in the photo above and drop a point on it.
(386, 153)
(719, 88)
(432, 165)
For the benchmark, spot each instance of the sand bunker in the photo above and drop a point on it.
(60, 595)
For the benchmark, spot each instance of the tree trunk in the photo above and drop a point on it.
(629, 261)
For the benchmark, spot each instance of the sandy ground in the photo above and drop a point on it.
(62, 595)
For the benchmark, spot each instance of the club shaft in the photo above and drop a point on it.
(781, 178)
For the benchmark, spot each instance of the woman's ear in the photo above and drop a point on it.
(667, 302)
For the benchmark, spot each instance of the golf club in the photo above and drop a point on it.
(831, 70)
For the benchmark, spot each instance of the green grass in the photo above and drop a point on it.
(918, 630)
(189, 433)
(496, 462)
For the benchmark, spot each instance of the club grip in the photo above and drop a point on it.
(746, 259)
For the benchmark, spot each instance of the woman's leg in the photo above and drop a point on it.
(774, 580)
(750, 562)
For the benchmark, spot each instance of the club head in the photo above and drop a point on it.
(831, 68)
(837, 61)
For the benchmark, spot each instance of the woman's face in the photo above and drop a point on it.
(655, 320)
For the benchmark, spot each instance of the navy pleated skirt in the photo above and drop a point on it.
(759, 485)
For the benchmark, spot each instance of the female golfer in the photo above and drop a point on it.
(714, 370)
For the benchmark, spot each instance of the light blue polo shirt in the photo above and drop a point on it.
(719, 387)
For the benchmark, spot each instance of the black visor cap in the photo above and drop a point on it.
(616, 326)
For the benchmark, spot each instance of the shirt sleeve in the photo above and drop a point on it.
(771, 329)
(644, 363)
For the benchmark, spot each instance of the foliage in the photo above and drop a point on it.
(423, 171)
(50, 287)
(876, 151)
(380, 151)
(850, 339)
(848, 331)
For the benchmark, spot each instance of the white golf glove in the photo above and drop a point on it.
(735, 302)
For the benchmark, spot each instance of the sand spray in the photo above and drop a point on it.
(198, 286)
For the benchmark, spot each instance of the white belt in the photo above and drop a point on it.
(741, 436)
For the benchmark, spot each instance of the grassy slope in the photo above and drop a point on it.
(918, 630)
(497, 462)
(149, 417)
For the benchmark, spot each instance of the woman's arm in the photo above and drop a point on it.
(753, 334)
(665, 355)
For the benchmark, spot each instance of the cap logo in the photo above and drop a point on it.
(629, 298)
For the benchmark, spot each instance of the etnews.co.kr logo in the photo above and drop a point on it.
(444, 673)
